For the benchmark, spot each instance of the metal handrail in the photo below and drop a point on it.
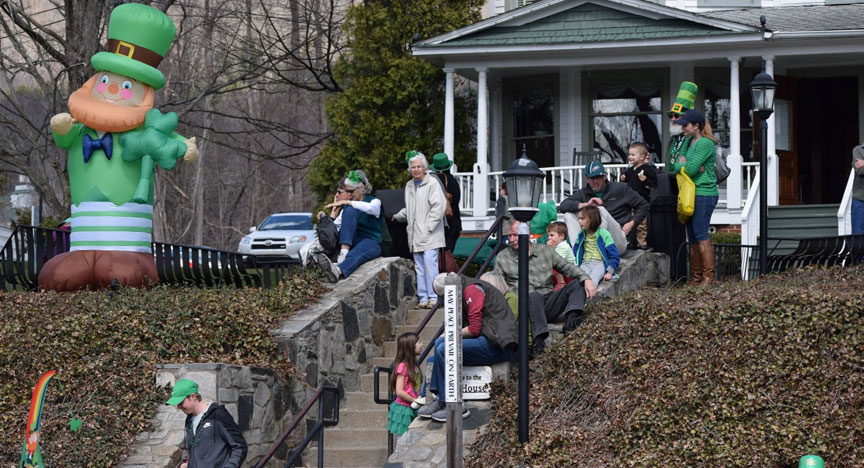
(376, 372)
(317, 429)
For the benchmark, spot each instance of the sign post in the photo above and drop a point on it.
(453, 369)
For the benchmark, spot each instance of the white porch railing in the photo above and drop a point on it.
(844, 213)
(750, 225)
(561, 181)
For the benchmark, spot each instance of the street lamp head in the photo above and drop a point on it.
(524, 181)
(762, 91)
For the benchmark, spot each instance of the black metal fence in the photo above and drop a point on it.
(30, 247)
(736, 261)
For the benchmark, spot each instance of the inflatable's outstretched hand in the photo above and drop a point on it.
(62, 123)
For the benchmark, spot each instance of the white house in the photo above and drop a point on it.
(571, 80)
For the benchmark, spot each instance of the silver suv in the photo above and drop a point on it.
(280, 235)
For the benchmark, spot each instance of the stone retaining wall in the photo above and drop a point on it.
(334, 340)
(256, 399)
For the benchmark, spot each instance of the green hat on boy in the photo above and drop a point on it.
(138, 39)
(686, 98)
(182, 389)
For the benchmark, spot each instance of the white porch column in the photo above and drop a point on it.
(734, 159)
(448, 114)
(773, 167)
(481, 167)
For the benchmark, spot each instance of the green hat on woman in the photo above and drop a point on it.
(138, 39)
(686, 98)
(440, 162)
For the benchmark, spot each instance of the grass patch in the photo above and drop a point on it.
(105, 347)
(743, 374)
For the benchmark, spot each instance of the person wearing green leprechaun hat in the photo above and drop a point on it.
(678, 141)
(114, 137)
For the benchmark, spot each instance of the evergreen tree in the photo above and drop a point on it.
(393, 102)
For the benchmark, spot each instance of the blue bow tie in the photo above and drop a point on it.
(88, 145)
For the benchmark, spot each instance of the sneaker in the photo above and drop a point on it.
(573, 319)
(332, 271)
(441, 415)
(432, 407)
(422, 305)
(614, 278)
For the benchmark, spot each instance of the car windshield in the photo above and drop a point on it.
(287, 223)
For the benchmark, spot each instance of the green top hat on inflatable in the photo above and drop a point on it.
(686, 98)
(138, 39)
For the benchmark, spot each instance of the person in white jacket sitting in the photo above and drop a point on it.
(424, 213)
(360, 234)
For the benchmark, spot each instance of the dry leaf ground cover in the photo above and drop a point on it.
(752, 374)
(105, 347)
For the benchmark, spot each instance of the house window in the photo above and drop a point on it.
(625, 112)
(534, 123)
(716, 108)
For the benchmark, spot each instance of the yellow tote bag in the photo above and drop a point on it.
(686, 196)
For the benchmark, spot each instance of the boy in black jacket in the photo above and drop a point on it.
(641, 176)
(212, 437)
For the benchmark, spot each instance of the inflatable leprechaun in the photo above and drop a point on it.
(114, 138)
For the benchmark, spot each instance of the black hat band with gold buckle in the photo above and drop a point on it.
(134, 52)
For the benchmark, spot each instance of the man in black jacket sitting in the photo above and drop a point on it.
(616, 200)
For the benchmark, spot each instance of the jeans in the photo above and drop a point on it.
(697, 226)
(475, 352)
(549, 308)
(362, 249)
(426, 267)
(857, 216)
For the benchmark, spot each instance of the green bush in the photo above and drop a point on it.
(725, 238)
(105, 347)
(753, 374)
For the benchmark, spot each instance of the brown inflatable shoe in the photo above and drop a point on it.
(95, 269)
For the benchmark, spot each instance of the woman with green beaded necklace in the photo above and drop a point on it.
(698, 163)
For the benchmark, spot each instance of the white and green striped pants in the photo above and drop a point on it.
(106, 226)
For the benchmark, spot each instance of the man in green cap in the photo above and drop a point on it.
(114, 137)
(212, 437)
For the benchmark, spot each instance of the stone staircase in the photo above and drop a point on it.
(360, 438)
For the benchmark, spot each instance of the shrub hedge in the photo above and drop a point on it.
(105, 347)
(750, 374)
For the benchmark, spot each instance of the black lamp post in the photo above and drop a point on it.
(524, 181)
(762, 91)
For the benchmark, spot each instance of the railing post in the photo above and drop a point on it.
(452, 391)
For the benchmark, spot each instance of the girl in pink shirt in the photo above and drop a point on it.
(404, 382)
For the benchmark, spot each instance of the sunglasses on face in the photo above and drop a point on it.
(674, 117)
(350, 191)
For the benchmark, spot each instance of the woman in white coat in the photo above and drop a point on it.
(424, 213)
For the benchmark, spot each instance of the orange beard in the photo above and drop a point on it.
(104, 116)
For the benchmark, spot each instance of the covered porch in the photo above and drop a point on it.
(571, 81)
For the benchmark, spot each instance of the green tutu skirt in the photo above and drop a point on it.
(399, 418)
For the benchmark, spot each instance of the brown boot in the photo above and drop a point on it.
(695, 265)
(706, 248)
